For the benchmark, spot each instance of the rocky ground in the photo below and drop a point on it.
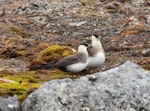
(29, 26)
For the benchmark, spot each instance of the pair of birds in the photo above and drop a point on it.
(80, 60)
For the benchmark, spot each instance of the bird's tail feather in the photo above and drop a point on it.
(47, 66)
(44, 66)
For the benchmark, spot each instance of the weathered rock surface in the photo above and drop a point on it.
(124, 88)
(9, 104)
(12, 65)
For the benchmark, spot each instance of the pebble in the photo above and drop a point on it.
(146, 52)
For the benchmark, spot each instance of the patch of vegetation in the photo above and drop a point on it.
(27, 81)
(19, 31)
(10, 53)
(54, 52)
(21, 83)
(129, 32)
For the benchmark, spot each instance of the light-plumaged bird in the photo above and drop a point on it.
(73, 63)
(96, 54)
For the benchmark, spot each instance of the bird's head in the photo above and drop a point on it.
(82, 47)
(95, 37)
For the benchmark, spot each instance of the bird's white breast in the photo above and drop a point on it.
(97, 61)
(77, 67)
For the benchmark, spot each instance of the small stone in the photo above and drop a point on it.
(77, 23)
(146, 52)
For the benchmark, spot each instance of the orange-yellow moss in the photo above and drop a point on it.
(36, 62)
(129, 32)
(135, 29)
(18, 31)
(21, 53)
(42, 46)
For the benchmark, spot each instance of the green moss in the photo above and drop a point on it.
(16, 78)
(22, 82)
(67, 53)
(54, 52)
(32, 72)
(32, 80)
(51, 57)
(15, 88)
(27, 80)
(55, 74)
(5, 73)
(52, 49)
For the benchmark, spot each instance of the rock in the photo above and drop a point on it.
(77, 23)
(146, 52)
(31, 8)
(124, 88)
(9, 104)
(13, 65)
(148, 18)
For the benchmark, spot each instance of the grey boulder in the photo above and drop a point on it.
(124, 88)
(9, 104)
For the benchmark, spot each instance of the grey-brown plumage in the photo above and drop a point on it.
(74, 63)
(94, 51)
(96, 54)
(74, 59)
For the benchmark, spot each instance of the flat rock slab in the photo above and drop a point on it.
(124, 88)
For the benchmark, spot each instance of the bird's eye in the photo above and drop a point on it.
(85, 44)
(96, 35)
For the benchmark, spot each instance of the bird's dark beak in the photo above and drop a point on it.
(88, 38)
(100, 37)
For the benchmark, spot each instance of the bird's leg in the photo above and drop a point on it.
(87, 71)
(90, 71)
(100, 69)
(72, 75)
(76, 74)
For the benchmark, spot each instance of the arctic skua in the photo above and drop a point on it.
(73, 63)
(96, 53)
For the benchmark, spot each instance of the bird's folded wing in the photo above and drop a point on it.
(68, 61)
